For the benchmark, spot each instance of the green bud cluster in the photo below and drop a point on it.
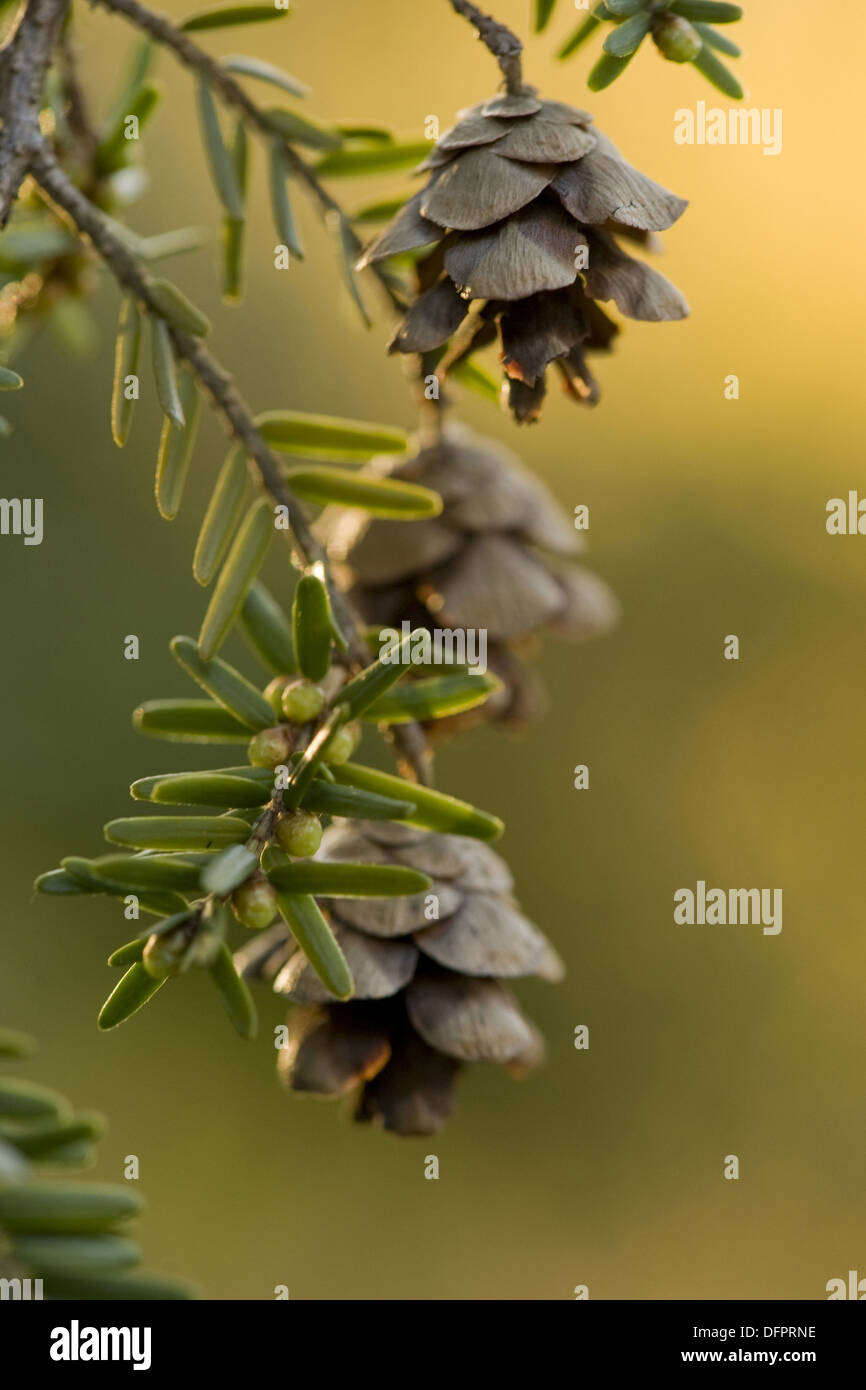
(299, 702)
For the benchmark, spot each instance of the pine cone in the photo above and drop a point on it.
(523, 201)
(477, 565)
(428, 993)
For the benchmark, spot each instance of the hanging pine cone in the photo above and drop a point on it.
(428, 989)
(523, 202)
(479, 565)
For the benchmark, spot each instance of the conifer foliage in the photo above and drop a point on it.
(63, 1238)
(375, 902)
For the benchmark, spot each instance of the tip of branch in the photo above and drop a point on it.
(496, 37)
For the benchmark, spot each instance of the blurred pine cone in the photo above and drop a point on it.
(428, 993)
(523, 201)
(477, 565)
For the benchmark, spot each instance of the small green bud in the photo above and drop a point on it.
(273, 692)
(342, 745)
(270, 748)
(676, 38)
(299, 833)
(255, 903)
(302, 702)
(163, 955)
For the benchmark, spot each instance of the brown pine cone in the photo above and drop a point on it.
(524, 203)
(428, 988)
(479, 565)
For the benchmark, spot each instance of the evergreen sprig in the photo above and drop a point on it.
(242, 848)
(241, 844)
(683, 31)
(71, 1235)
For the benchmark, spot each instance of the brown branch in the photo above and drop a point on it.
(219, 387)
(23, 64)
(499, 40)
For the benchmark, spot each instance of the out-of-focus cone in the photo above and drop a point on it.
(484, 564)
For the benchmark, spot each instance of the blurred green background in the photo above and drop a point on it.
(707, 517)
